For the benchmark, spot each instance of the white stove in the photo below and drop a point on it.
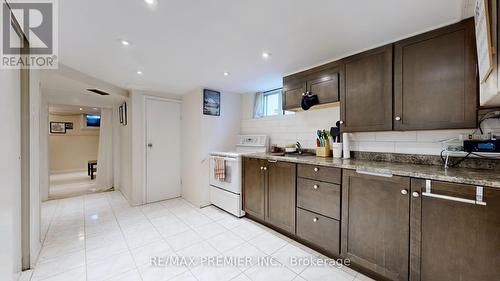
(226, 194)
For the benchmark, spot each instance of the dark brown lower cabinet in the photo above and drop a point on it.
(254, 179)
(321, 231)
(269, 190)
(280, 201)
(454, 239)
(375, 223)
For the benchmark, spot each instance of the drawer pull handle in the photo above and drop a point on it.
(316, 169)
(404, 191)
(316, 186)
(478, 201)
(315, 219)
(363, 172)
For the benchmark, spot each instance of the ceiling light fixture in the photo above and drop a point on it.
(226, 73)
(124, 42)
(266, 55)
(139, 72)
(81, 109)
(151, 2)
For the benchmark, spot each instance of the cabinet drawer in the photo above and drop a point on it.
(319, 230)
(320, 197)
(320, 173)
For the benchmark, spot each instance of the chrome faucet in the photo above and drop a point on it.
(299, 148)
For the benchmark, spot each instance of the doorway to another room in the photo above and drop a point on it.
(74, 133)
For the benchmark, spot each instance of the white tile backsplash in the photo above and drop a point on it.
(302, 127)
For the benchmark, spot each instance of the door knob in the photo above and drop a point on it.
(415, 194)
(265, 168)
(315, 219)
(316, 169)
(316, 186)
(404, 191)
(150, 145)
(262, 168)
(341, 122)
(398, 118)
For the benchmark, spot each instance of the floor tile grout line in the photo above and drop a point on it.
(123, 234)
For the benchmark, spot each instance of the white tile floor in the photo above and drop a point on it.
(70, 184)
(100, 237)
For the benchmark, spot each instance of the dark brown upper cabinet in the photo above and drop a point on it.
(435, 79)
(375, 223)
(269, 190)
(367, 100)
(324, 81)
(451, 238)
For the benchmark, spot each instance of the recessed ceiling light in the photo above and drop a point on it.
(139, 72)
(266, 55)
(81, 109)
(151, 2)
(95, 108)
(226, 73)
(124, 42)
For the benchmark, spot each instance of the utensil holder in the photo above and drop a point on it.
(337, 149)
(323, 151)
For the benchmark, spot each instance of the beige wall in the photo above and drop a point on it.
(72, 151)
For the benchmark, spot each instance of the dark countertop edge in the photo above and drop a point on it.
(431, 172)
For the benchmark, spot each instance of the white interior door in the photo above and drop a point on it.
(163, 145)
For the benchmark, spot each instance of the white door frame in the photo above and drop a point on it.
(145, 141)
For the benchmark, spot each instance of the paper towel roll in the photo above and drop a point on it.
(345, 142)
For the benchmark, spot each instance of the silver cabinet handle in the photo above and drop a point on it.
(398, 118)
(272, 161)
(316, 169)
(404, 191)
(315, 219)
(373, 173)
(415, 194)
(316, 186)
(478, 201)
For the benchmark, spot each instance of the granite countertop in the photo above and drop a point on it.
(486, 178)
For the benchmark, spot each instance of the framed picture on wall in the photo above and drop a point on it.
(120, 113)
(57, 128)
(124, 105)
(211, 102)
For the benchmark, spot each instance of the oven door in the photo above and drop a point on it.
(232, 181)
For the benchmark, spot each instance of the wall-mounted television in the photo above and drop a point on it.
(92, 121)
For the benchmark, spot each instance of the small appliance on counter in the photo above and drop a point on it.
(492, 146)
(226, 173)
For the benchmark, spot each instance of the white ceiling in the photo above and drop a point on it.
(62, 109)
(184, 44)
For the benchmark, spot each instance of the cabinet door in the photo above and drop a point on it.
(375, 223)
(452, 240)
(292, 93)
(325, 84)
(254, 187)
(435, 81)
(367, 99)
(281, 195)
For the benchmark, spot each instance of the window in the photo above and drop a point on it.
(269, 103)
(272, 103)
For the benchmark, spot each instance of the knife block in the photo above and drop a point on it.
(323, 151)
